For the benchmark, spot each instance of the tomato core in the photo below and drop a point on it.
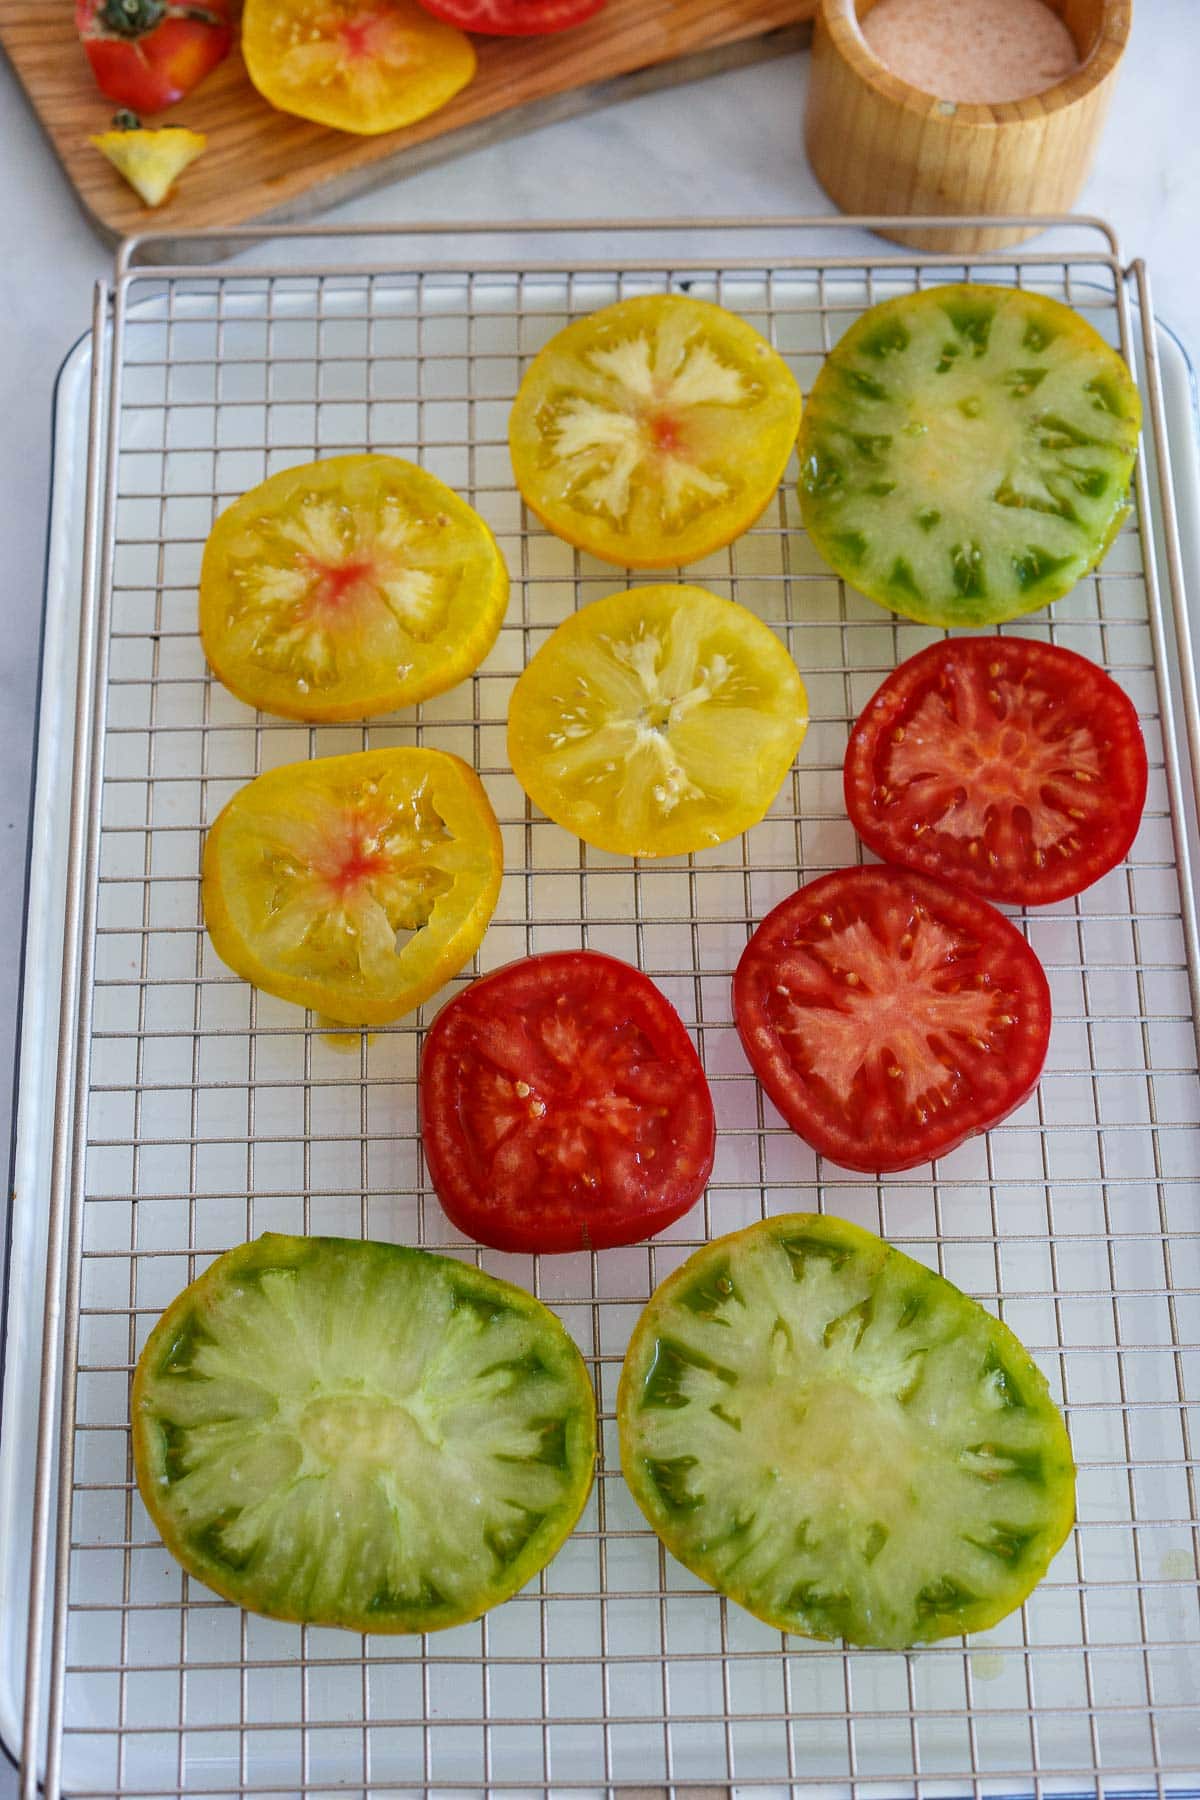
(363, 36)
(334, 583)
(665, 433)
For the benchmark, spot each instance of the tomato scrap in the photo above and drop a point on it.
(889, 1017)
(146, 54)
(563, 1106)
(150, 159)
(1011, 767)
(514, 18)
(657, 721)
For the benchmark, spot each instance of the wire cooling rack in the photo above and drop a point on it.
(197, 1112)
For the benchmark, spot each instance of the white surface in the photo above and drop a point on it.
(730, 145)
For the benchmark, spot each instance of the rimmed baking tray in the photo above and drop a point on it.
(168, 1111)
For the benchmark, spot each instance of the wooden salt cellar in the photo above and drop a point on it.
(877, 145)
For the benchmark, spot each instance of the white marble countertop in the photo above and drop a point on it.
(731, 145)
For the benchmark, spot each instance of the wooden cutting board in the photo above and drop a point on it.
(263, 165)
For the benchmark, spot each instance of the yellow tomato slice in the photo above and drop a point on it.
(355, 885)
(349, 587)
(655, 431)
(657, 721)
(358, 65)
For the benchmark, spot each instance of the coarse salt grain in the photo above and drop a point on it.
(972, 50)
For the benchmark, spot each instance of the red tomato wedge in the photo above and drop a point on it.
(563, 1106)
(1009, 767)
(513, 18)
(146, 54)
(889, 1016)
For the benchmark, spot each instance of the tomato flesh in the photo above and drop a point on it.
(146, 54)
(514, 18)
(1014, 768)
(365, 66)
(965, 453)
(889, 1016)
(563, 1106)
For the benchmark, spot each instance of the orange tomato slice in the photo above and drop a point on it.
(355, 885)
(657, 721)
(654, 431)
(346, 588)
(358, 65)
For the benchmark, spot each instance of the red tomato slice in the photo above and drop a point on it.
(513, 18)
(563, 1106)
(146, 54)
(1012, 768)
(889, 1016)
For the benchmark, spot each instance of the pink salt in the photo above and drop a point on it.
(972, 50)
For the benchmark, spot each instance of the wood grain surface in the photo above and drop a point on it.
(264, 165)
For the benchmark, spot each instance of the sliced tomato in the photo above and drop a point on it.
(345, 588)
(563, 1106)
(966, 451)
(654, 431)
(1012, 768)
(514, 18)
(355, 885)
(889, 1016)
(360, 1434)
(359, 65)
(657, 721)
(150, 160)
(840, 1440)
(146, 54)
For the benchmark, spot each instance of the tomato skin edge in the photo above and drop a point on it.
(759, 1039)
(886, 708)
(471, 1215)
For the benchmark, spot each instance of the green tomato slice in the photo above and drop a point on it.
(841, 1441)
(361, 1434)
(965, 453)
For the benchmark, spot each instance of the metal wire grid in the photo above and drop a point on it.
(211, 1113)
